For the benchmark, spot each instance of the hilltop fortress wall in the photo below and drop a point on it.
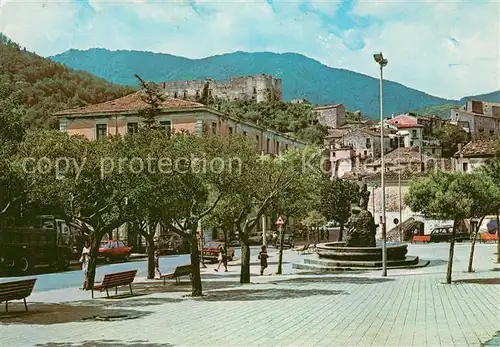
(258, 88)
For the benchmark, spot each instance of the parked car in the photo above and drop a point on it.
(171, 244)
(114, 249)
(441, 234)
(255, 238)
(287, 243)
(211, 251)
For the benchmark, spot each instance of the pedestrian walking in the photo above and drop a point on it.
(157, 262)
(221, 258)
(263, 259)
(84, 259)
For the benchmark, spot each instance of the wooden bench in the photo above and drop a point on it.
(16, 291)
(485, 237)
(421, 238)
(183, 270)
(115, 280)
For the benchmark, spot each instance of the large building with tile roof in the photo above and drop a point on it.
(121, 116)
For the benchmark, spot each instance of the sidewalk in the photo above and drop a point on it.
(407, 308)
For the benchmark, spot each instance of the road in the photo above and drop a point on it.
(74, 278)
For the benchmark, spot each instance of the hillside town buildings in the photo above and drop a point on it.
(480, 118)
(258, 88)
(332, 116)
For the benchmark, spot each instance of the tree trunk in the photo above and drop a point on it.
(95, 241)
(308, 236)
(151, 255)
(280, 258)
(473, 245)
(245, 262)
(450, 255)
(341, 232)
(196, 289)
(498, 235)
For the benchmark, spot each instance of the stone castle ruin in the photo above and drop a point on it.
(258, 88)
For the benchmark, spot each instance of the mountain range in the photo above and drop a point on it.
(302, 77)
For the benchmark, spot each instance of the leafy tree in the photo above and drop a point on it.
(147, 188)
(297, 119)
(441, 195)
(73, 181)
(300, 197)
(485, 195)
(450, 137)
(313, 220)
(200, 182)
(492, 169)
(337, 195)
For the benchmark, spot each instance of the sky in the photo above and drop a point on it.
(445, 48)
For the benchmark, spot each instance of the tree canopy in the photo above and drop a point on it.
(296, 119)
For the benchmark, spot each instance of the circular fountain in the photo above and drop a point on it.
(360, 250)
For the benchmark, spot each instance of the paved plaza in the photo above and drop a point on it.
(406, 308)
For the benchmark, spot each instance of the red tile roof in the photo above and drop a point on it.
(477, 148)
(131, 102)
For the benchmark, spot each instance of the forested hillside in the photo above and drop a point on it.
(36, 87)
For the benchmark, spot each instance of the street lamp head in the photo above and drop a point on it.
(379, 58)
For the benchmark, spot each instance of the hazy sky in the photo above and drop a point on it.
(445, 48)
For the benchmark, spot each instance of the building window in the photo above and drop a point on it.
(414, 134)
(365, 152)
(258, 141)
(268, 145)
(230, 130)
(286, 148)
(185, 94)
(254, 90)
(368, 142)
(132, 128)
(433, 151)
(277, 147)
(411, 143)
(175, 95)
(197, 93)
(214, 128)
(101, 131)
(465, 167)
(166, 125)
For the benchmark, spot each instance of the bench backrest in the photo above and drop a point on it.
(16, 290)
(183, 270)
(118, 278)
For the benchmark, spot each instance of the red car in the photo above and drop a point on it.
(114, 249)
(211, 251)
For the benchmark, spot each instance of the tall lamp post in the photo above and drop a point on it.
(379, 59)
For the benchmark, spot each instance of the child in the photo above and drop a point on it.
(157, 262)
(263, 259)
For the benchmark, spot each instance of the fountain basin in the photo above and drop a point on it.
(338, 251)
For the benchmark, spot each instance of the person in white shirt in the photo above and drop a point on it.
(84, 259)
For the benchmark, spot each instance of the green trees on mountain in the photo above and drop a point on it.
(37, 87)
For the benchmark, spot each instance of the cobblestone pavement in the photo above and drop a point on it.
(406, 308)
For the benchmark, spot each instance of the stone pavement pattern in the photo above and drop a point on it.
(407, 308)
